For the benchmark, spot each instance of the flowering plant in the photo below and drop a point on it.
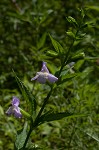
(35, 117)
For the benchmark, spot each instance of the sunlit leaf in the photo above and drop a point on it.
(72, 20)
(52, 53)
(70, 34)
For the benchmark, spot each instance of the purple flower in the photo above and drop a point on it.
(14, 109)
(44, 75)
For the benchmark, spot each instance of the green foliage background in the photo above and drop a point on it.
(24, 43)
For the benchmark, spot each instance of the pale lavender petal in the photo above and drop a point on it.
(71, 64)
(52, 78)
(15, 101)
(44, 68)
(17, 112)
(9, 111)
(41, 79)
(34, 78)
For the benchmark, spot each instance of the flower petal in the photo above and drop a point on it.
(44, 68)
(15, 101)
(52, 78)
(41, 79)
(34, 78)
(17, 112)
(9, 111)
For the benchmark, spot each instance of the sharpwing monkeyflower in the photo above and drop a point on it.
(14, 109)
(44, 75)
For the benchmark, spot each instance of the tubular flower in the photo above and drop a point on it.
(14, 109)
(44, 75)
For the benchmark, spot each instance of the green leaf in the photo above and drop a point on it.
(70, 34)
(72, 20)
(78, 56)
(57, 116)
(56, 45)
(67, 78)
(52, 53)
(64, 72)
(27, 95)
(91, 58)
(41, 42)
(93, 136)
(21, 137)
(93, 7)
(79, 64)
(82, 13)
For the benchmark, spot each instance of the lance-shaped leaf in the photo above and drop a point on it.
(27, 95)
(41, 42)
(92, 134)
(57, 116)
(56, 45)
(21, 137)
(72, 20)
(67, 78)
(70, 34)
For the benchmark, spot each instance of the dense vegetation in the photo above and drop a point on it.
(33, 31)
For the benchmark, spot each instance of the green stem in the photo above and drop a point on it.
(43, 106)
(67, 55)
(39, 114)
